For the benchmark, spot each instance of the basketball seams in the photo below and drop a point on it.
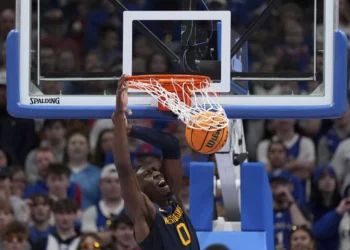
(205, 138)
(204, 141)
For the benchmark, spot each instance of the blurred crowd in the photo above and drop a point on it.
(58, 185)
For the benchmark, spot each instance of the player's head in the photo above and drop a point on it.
(152, 183)
(151, 180)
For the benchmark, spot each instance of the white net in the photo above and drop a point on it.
(205, 112)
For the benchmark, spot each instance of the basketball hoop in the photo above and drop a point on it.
(175, 92)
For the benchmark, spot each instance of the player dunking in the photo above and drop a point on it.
(150, 192)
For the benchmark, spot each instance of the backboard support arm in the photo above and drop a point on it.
(254, 26)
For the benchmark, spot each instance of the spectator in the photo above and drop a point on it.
(43, 157)
(301, 238)
(19, 207)
(98, 218)
(86, 175)
(55, 31)
(46, 168)
(93, 60)
(158, 63)
(17, 134)
(139, 65)
(90, 241)
(329, 143)
(6, 214)
(324, 205)
(47, 59)
(97, 128)
(301, 150)
(108, 44)
(142, 47)
(286, 211)
(344, 226)
(344, 17)
(18, 181)
(277, 155)
(96, 18)
(5, 158)
(294, 48)
(104, 145)
(8, 19)
(15, 237)
(65, 236)
(122, 230)
(58, 184)
(340, 163)
(40, 208)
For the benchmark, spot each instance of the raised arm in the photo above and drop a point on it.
(135, 205)
(171, 153)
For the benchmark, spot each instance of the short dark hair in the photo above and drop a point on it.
(217, 247)
(50, 122)
(15, 227)
(44, 149)
(14, 170)
(280, 142)
(121, 219)
(304, 228)
(58, 169)
(37, 199)
(65, 206)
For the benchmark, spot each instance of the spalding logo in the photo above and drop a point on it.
(54, 100)
(213, 139)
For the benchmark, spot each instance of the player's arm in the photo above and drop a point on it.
(171, 153)
(134, 201)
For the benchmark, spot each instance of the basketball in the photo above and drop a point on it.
(203, 141)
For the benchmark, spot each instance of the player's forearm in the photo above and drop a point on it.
(167, 143)
(120, 146)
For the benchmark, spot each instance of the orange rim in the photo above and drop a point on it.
(166, 80)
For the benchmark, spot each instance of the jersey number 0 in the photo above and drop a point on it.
(181, 230)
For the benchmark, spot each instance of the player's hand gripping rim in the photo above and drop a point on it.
(122, 100)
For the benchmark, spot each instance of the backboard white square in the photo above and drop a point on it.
(223, 16)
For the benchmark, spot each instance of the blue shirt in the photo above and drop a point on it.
(333, 140)
(40, 187)
(293, 151)
(282, 222)
(88, 180)
(35, 235)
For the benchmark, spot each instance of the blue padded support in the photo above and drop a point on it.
(234, 240)
(201, 195)
(256, 201)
